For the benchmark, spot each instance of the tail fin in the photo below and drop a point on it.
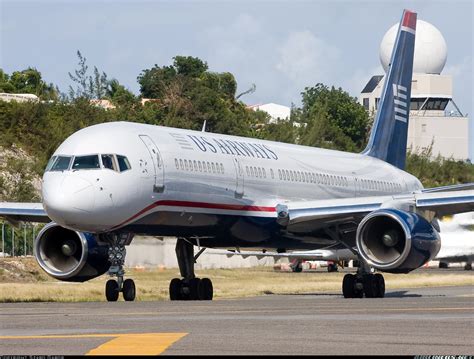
(388, 139)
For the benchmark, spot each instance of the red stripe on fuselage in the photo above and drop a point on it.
(205, 205)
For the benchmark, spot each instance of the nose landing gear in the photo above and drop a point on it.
(117, 253)
(190, 287)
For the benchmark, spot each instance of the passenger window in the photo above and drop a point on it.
(176, 163)
(222, 168)
(86, 162)
(186, 165)
(213, 167)
(195, 166)
(259, 172)
(108, 162)
(123, 163)
(264, 173)
(61, 163)
(181, 164)
(247, 170)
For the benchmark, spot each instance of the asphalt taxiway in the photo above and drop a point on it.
(412, 321)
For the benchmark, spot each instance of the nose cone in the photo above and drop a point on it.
(67, 199)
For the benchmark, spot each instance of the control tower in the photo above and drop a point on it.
(434, 116)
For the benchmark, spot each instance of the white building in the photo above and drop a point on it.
(434, 116)
(274, 110)
(18, 97)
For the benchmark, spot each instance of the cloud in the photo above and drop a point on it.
(305, 59)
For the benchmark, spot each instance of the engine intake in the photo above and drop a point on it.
(68, 255)
(396, 241)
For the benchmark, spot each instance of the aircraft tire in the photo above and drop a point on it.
(370, 285)
(175, 289)
(207, 289)
(111, 290)
(194, 285)
(380, 285)
(348, 286)
(129, 290)
(468, 266)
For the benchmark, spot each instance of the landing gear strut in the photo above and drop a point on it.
(117, 253)
(364, 282)
(189, 287)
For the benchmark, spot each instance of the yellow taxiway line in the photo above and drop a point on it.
(120, 344)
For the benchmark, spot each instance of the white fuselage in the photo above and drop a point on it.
(191, 177)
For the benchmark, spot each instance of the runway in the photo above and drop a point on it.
(413, 321)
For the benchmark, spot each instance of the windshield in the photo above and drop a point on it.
(123, 163)
(50, 163)
(86, 162)
(61, 163)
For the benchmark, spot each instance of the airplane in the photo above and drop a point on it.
(107, 182)
(457, 245)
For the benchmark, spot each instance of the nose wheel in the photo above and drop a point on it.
(112, 290)
(114, 287)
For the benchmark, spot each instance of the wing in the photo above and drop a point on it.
(28, 212)
(310, 216)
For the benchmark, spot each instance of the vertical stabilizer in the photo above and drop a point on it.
(388, 139)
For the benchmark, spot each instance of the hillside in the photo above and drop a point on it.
(18, 180)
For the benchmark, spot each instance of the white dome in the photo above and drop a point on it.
(431, 51)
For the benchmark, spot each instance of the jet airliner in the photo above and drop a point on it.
(109, 182)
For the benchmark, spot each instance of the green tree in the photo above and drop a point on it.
(95, 86)
(331, 118)
(189, 66)
(28, 81)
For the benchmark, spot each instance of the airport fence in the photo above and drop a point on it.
(17, 241)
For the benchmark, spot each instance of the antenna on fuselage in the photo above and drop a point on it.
(204, 126)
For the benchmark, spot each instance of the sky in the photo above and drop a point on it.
(280, 46)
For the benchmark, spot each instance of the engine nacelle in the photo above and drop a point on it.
(396, 241)
(68, 255)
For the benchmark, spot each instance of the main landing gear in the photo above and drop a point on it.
(364, 282)
(189, 287)
(117, 253)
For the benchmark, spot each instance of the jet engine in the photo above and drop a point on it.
(70, 256)
(396, 241)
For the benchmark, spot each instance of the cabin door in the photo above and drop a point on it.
(157, 161)
(239, 181)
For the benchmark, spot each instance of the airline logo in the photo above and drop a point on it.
(400, 101)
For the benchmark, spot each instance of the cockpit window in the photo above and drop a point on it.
(50, 163)
(61, 163)
(123, 163)
(86, 162)
(108, 162)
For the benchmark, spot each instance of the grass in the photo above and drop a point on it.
(228, 283)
